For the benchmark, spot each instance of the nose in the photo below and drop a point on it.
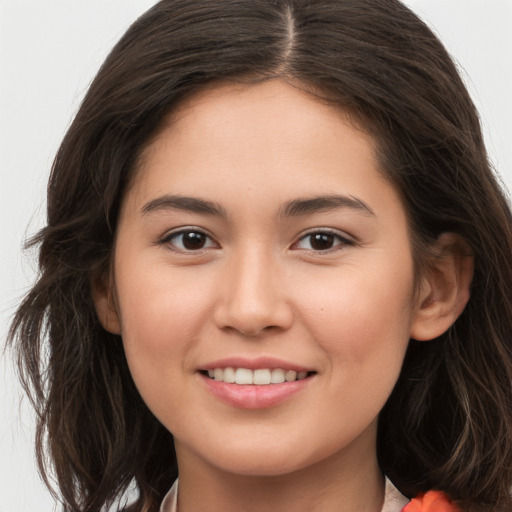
(252, 298)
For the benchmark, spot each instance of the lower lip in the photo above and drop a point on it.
(253, 396)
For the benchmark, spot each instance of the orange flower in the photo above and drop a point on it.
(432, 501)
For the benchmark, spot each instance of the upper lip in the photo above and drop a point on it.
(254, 364)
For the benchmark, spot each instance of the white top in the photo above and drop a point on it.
(394, 500)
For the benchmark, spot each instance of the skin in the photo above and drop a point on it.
(256, 287)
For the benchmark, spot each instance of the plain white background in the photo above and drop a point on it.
(49, 52)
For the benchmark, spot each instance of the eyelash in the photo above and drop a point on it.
(168, 238)
(342, 241)
(339, 240)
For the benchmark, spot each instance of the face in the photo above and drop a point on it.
(263, 282)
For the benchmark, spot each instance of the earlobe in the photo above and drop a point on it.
(444, 289)
(105, 303)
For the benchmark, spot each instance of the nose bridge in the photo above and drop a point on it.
(252, 297)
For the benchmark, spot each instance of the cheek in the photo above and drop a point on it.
(161, 314)
(361, 316)
(156, 303)
(159, 323)
(362, 325)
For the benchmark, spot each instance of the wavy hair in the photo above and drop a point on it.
(448, 422)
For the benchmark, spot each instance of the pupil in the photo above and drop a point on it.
(193, 240)
(322, 241)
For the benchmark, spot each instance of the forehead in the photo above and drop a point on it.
(273, 127)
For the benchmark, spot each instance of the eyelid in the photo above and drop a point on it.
(344, 238)
(169, 235)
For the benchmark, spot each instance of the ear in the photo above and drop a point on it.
(106, 306)
(444, 288)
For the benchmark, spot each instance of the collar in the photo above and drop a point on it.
(394, 500)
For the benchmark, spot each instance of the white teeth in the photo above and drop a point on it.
(277, 376)
(290, 376)
(229, 375)
(259, 377)
(243, 376)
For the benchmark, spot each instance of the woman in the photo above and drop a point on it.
(285, 191)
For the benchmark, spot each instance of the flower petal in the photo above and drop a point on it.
(432, 501)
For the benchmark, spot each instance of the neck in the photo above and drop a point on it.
(339, 484)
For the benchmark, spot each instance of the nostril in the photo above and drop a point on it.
(251, 307)
(251, 331)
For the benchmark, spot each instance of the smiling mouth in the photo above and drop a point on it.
(258, 377)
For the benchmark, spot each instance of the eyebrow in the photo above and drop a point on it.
(184, 203)
(304, 206)
(295, 208)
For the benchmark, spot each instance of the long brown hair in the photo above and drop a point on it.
(448, 423)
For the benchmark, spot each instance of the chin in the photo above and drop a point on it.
(260, 467)
(266, 459)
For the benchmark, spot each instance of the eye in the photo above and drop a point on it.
(189, 240)
(321, 241)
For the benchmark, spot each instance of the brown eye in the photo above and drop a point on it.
(190, 240)
(322, 241)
